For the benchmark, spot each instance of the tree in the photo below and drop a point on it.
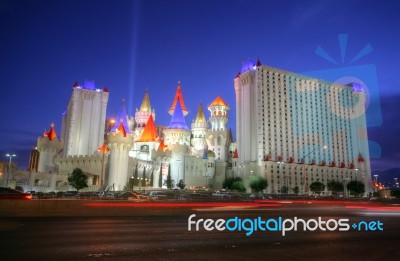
(160, 177)
(234, 184)
(284, 190)
(152, 177)
(144, 177)
(136, 177)
(128, 186)
(170, 182)
(395, 193)
(258, 183)
(181, 184)
(317, 187)
(77, 179)
(335, 186)
(356, 187)
(296, 190)
(238, 186)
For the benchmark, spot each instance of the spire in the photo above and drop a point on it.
(105, 89)
(200, 115)
(258, 62)
(122, 120)
(51, 134)
(121, 129)
(145, 103)
(218, 102)
(149, 132)
(235, 154)
(178, 120)
(178, 95)
(103, 148)
(360, 157)
(162, 146)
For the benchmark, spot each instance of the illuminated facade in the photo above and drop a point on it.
(294, 130)
(291, 129)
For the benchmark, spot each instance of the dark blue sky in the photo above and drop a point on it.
(133, 45)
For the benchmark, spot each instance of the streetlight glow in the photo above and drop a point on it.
(9, 166)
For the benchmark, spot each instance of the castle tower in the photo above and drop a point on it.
(48, 146)
(218, 135)
(34, 160)
(119, 141)
(148, 142)
(83, 121)
(178, 96)
(177, 138)
(210, 164)
(199, 131)
(177, 131)
(142, 115)
(246, 127)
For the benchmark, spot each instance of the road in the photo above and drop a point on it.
(161, 233)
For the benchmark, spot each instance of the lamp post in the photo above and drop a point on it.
(345, 180)
(356, 170)
(280, 172)
(376, 182)
(304, 166)
(9, 166)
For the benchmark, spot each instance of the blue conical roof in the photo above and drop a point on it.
(177, 120)
(122, 118)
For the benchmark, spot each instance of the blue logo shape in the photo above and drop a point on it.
(363, 78)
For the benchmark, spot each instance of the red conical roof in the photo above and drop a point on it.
(178, 94)
(51, 134)
(218, 102)
(235, 154)
(162, 146)
(103, 148)
(360, 157)
(121, 129)
(149, 132)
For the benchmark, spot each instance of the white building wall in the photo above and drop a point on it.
(83, 124)
(295, 116)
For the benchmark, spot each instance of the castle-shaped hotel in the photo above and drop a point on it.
(291, 129)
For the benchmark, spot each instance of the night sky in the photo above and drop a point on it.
(131, 46)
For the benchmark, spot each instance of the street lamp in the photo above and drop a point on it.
(9, 166)
(280, 172)
(345, 180)
(356, 170)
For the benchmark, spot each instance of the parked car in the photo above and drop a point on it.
(128, 195)
(158, 195)
(8, 193)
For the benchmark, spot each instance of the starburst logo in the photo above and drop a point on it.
(343, 46)
(361, 78)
